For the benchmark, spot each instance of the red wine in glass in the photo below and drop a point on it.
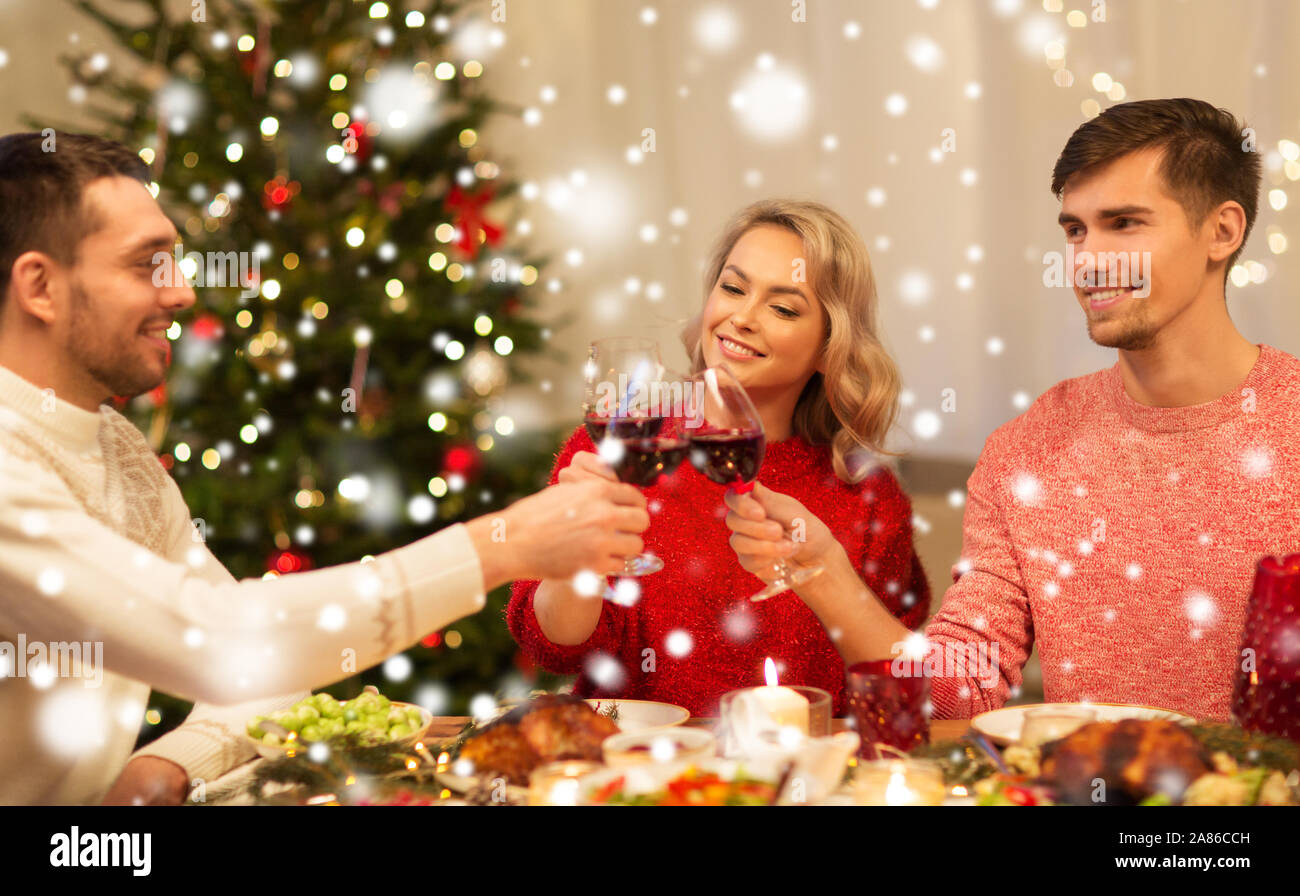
(727, 445)
(622, 427)
(621, 378)
(644, 460)
(728, 457)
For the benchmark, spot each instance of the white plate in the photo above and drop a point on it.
(1002, 726)
(642, 715)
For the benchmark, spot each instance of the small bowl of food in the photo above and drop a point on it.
(371, 717)
(640, 715)
(672, 745)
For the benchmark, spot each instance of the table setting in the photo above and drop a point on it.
(772, 745)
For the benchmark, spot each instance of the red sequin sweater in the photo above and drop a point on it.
(694, 634)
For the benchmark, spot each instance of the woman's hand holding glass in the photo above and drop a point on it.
(759, 521)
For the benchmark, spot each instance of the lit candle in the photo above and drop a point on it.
(898, 782)
(556, 784)
(786, 707)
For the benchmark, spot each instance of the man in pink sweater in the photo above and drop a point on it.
(1118, 521)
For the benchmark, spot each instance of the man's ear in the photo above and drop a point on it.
(1228, 230)
(31, 285)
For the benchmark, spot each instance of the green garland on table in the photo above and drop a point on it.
(962, 762)
(1249, 748)
(355, 770)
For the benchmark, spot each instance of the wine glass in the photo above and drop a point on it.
(628, 413)
(614, 368)
(727, 444)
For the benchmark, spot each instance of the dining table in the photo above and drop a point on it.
(445, 730)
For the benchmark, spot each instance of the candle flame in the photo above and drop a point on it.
(897, 793)
(769, 672)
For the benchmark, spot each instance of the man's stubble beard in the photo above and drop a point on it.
(1135, 330)
(112, 366)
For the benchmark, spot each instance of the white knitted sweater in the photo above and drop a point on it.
(99, 558)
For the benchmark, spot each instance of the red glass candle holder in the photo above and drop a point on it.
(887, 709)
(1266, 691)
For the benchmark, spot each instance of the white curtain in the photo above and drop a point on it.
(957, 244)
(865, 92)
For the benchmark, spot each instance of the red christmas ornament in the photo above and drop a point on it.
(462, 460)
(207, 326)
(279, 192)
(285, 562)
(468, 218)
(356, 141)
(433, 639)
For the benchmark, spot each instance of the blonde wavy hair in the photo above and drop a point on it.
(855, 403)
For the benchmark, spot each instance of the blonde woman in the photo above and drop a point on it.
(790, 307)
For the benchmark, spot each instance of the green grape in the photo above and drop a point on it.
(255, 728)
(351, 715)
(311, 732)
(271, 740)
(397, 732)
(307, 711)
(287, 720)
(354, 727)
(396, 715)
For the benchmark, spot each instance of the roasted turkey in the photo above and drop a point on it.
(549, 728)
(1122, 763)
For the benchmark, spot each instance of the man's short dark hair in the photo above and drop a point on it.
(42, 205)
(1208, 158)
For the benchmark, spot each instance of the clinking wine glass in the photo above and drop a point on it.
(627, 416)
(727, 443)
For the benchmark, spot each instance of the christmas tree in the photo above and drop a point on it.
(361, 306)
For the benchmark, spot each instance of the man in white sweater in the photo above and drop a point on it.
(105, 591)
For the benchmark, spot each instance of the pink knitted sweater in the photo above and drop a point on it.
(1124, 539)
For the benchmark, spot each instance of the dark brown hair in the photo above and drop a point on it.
(43, 177)
(1209, 156)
